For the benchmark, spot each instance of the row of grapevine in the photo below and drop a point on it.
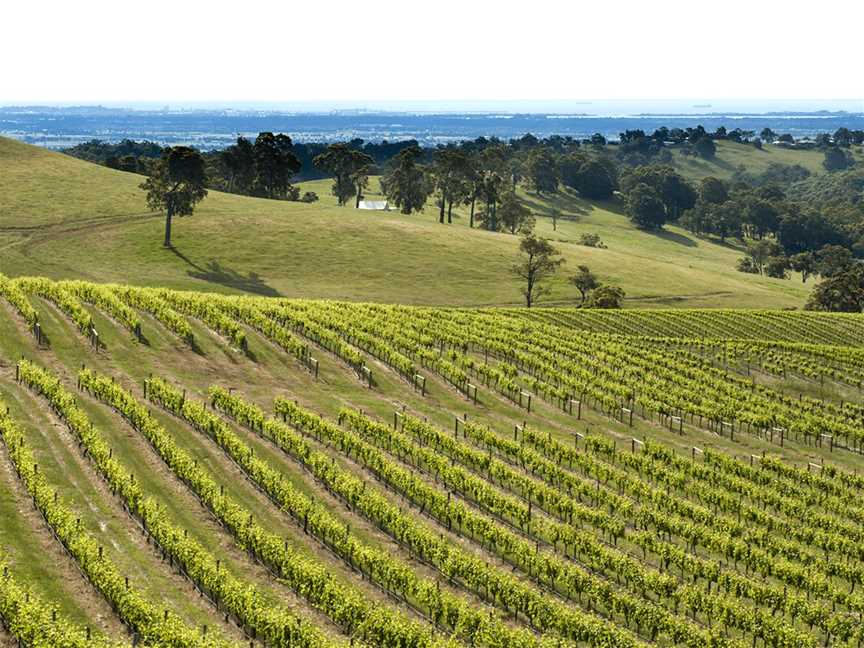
(141, 615)
(34, 622)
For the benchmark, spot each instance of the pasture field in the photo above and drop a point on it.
(201, 469)
(61, 217)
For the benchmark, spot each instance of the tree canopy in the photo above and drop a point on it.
(176, 184)
(538, 261)
(405, 183)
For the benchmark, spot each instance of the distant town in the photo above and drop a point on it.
(210, 128)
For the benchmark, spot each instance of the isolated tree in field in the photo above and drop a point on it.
(605, 297)
(645, 207)
(275, 163)
(405, 183)
(585, 281)
(350, 169)
(805, 263)
(450, 173)
(176, 184)
(538, 261)
(513, 216)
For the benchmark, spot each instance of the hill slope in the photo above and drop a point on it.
(61, 217)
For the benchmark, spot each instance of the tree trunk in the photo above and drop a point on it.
(450, 211)
(471, 223)
(357, 202)
(441, 212)
(168, 217)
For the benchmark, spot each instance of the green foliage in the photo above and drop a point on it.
(350, 170)
(837, 159)
(405, 182)
(512, 215)
(605, 297)
(676, 193)
(538, 261)
(542, 170)
(645, 207)
(176, 184)
(844, 292)
(275, 163)
(585, 281)
(705, 148)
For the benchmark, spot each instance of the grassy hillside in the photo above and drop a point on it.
(61, 217)
(731, 155)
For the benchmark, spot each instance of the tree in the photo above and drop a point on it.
(761, 217)
(176, 185)
(841, 293)
(833, 260)
(542, 170)
(594, 181)
(473, 185)
(713, 190)
(768, 135)
(675, 192)
(238, 164)
(538, 261)
(513, 216)
(843, 137)
(705, 147)
(805, 263)
(725, 220)
(777, 267)
(275, 163)
(405, 183)
(350, 168)
(451, 176)
(760, 251)
(585, 281)
(645, 207)
(801, 230)
(837, 159)
(605, 297)
(492, 182)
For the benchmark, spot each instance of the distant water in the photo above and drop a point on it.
(57, 127)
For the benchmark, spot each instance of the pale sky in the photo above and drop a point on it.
(287, 51)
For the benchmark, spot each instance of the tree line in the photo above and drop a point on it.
(781, 225)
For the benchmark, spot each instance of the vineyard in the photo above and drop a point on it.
(190, 469)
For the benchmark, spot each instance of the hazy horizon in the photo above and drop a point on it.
(604, 107)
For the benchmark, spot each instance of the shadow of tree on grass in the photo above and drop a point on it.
(215, 272)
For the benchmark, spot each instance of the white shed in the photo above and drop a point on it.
(378, 205)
